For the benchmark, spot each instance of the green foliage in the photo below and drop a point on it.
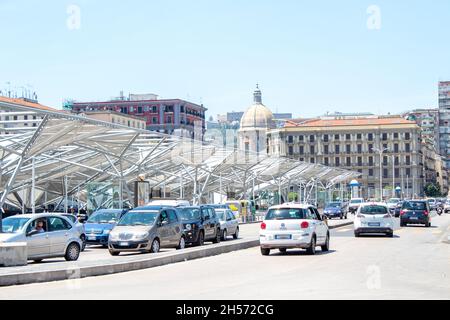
(433, 190)
(292, 196)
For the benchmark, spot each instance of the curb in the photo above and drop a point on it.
(74, 272)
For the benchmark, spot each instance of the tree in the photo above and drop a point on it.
(432, 190)
(292, 196)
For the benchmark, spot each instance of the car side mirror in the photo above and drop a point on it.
(164, 223)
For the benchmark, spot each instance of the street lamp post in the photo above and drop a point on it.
(380, 152)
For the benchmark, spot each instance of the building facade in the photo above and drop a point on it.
(117, 117)
(170, 116)
(444, 121)
(255, 123)
(13, 122)
(355, 143)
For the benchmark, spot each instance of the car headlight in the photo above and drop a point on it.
(114, 236)
(141, 236)
(188, 227)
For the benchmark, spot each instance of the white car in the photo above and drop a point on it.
(447, 206)
(290, 226)
(169, 203)
(354, 204)
(373, 218)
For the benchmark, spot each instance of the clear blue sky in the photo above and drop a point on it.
(308, 56)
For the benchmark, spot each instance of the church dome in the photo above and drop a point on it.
(258, 115)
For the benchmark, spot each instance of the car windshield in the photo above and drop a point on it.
(414, 205)
(138, 218)
(334, 205)
(104, 217)
(190, 214)
(356, 201)
(286, 214)
(13, 225)
(374, 209)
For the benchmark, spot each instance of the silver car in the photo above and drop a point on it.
(147, 229)
(47, 235)
(229, 225)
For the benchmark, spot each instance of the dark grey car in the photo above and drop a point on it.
(147, 229)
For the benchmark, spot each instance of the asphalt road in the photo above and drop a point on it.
(415, 264)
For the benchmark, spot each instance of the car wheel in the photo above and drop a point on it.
(37, 260)
(72, 252)
(265, 252)
(283, 250)
(357, 234)
(428, 225)
(114, 253)
(217, 238)
(224, 235)
(390, 234)
(201, 239)
(326, 246)
(155, 246)
(312, 247)
(236, 234)
(342, 217)
(182, 244)
(402, 224)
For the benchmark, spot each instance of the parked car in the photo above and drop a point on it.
(397, 209)
(373, 218)
(432, 204)
(289, 226)
(447, 206)
(147, 229)
(335, 210)
(354, 204)
(47, 236)
(100, 224)
(79, 226)
(200, 224)
(229, 225)
(392, 204)
(415, 212)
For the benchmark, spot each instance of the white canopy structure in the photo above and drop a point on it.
(64, 153)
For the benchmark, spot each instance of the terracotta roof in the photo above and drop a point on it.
(24, 103)
(348, 122)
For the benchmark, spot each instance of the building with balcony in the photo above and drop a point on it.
(354, 142)
(444, 121)
(13, 122)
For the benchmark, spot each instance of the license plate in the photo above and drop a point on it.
(414, 218)
(123, 244)
(283, 237)
(92, 238)
(373, 224)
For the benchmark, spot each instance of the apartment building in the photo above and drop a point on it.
(371, 145)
